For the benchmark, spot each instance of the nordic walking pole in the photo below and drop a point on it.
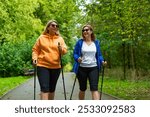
(73, 88)
(59, 47)
(35, 71)
(102, 81)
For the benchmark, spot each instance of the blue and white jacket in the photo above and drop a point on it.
(77, 54)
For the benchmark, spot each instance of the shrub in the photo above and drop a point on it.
(15, 57)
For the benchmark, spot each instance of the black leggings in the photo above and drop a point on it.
(47, 78)
(90, 73)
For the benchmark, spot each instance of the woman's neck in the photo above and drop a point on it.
(88, 39)
(51, 33)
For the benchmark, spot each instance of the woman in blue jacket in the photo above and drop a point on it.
(88, 59)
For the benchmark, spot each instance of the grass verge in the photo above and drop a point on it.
(6, 84)
(127, 90)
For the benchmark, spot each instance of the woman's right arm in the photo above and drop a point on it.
(76, 53)
(35, 52)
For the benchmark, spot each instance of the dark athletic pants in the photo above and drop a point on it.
(88, 73)
(47, 78)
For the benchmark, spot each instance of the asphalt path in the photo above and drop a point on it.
(26, 90)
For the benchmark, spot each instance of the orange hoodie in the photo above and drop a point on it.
(46, 51)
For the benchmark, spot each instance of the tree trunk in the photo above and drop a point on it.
(124, 62)
(133, 73)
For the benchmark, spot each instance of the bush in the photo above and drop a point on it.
(15, 58)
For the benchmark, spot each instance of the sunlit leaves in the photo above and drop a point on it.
(18, 21)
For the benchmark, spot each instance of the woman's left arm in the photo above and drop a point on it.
(100, 57)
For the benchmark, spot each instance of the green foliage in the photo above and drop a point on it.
(15, 57)
(121, 26)
(17, 21)
(21, 20)
(68, 67)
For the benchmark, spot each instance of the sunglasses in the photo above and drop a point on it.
(54, 25)
(85, 30)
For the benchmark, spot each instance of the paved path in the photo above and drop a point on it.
(25, 91)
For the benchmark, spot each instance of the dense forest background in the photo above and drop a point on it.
(122, 26)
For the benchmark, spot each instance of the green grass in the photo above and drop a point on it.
(128, 90)
(6, 84)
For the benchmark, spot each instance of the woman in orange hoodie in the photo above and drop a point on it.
(46, 55)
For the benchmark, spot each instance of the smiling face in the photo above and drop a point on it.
(53, 28)
(86, 32)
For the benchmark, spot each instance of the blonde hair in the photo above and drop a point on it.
(46, 31)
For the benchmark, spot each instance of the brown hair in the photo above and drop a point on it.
(46, 31)
(90, 27)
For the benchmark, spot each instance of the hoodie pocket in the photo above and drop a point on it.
(52, 58)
